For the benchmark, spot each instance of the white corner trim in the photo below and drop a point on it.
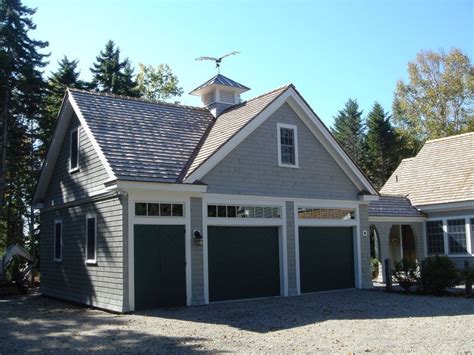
(295, 138)
(89, 134)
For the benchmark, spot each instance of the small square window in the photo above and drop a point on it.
(153, 209)
(140, 209)
(212, 211)
(165, 209)
(231, 211)
(177, 210)
(221, 211)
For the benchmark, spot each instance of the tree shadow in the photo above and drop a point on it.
(274, 314)
(39, 324)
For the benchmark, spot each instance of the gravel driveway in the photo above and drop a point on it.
(344, 321)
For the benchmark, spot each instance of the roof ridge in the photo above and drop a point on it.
(267, 93)
(449, 137)
(394, 196)
(125, 97)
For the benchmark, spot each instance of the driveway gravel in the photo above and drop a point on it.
(344, 321)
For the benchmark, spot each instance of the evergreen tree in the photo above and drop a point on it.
(67, 75)
(349, 130)
(111, 75)
(381, 146)
(22, 90)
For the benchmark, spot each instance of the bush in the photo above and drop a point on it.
(406, 273)
(374, 263)
(437, 274)
(467, 276)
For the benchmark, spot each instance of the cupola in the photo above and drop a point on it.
(219, 93)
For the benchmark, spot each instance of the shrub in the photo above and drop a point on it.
(374, 263)
(467, 276)
(406, 273)
(438, 273)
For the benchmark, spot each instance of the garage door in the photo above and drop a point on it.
(243, 262)
(326, 258)
(160, 266)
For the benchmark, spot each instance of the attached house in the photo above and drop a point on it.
(146, 204)
(427, 206)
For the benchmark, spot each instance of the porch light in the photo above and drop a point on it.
(198, 237)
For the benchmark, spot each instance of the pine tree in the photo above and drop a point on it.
(67, 75)
(349, 130)
(22, 90)
(111, 75)
(381, 146)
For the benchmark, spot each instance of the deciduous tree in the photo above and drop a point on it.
(158, 83)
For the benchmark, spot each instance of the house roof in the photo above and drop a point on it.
(393, 206)
(220, 79)
(442, 172)
(230, 122)
(143, 140)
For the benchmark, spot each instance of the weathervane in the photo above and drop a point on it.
(218, 60)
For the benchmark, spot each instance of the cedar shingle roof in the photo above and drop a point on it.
(143, 140)
(443, 171)
(159, 142)
(232, 121)
(393, 206)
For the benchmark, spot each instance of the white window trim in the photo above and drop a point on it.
(88, 216)
(469, 246)
(56, 221)
(295, 137)
(71, 169)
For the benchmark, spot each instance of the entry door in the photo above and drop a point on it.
(326, 258)
(160, 266)
(243, 262)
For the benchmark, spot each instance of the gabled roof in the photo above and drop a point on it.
(143, 140)
(220, 79)
(442, 172)
(393, 206)
(230, 122)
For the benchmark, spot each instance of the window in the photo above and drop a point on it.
(457, 236)
(91, 239)
(325, 213)
(74, 151)
(58, 240)
(435, 237)
(287, 145)
(159, 209)
(236, 211)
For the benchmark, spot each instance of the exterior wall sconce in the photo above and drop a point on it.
(198, 237)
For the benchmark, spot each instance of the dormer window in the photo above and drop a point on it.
(74, 151)
(287, 145)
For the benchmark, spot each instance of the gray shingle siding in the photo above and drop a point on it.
(291, 247)
(252, 167)
(365, 247)
(65, 186)
(197, 257)
(99, 285)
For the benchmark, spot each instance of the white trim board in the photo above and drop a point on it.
(320, 131)
(402, 220)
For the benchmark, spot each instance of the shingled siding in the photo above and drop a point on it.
(99, 285)
(365, 247)
(291, 247)
(65, 186)
(197, 257)
(252, 167)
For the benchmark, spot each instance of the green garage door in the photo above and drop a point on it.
(326, 258)
(160, 266)
(243, 262)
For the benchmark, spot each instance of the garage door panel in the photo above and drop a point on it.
(326, 258)
(243, 262)
(160, 266)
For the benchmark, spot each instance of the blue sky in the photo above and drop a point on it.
(331, 50)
